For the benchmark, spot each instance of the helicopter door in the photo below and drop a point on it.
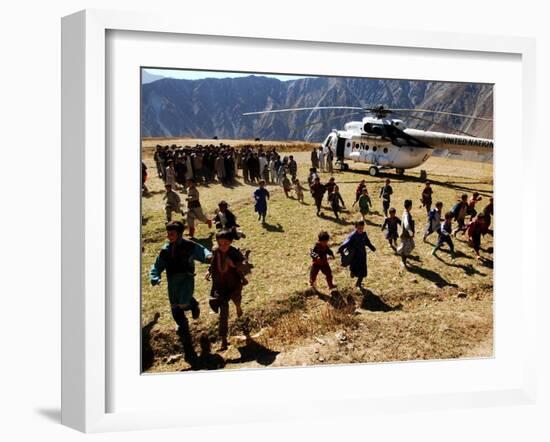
(340, 147)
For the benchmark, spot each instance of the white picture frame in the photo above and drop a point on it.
(86, 351)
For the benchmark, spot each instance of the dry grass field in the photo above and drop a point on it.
(438, 309)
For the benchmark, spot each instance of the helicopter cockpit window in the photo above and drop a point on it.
(329, 141)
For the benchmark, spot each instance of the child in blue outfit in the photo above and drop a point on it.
(177, 258)
(444, 231)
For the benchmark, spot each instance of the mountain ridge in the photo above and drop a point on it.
(213, 107)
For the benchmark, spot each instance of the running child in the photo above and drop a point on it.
(178, 258)
(359, 191)
(407, 234)
(364, 203)
(320, 254)
(227, 269)
(173, 203)
(335, 199)
(194, 209)
(299, 190)
(354, 253)
(226, 220)
(475, 229)
(444, 235)
(434, 220)
(261, 195)
(330, 188)
(426, 197)
(471, 210)
(317, 191)
(385, 193)
(287, 186)
(459, 211)
(390, 223)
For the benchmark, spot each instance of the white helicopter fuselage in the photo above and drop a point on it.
(368, 142)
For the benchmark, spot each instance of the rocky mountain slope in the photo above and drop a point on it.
(213, 107)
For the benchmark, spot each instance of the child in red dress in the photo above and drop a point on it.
(320, 254)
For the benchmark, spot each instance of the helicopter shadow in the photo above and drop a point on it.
(414, 179)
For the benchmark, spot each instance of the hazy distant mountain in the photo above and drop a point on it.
(147, 77)
(214, 107)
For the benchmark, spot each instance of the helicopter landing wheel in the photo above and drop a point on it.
(400, 171)
(373, 170)
(345, 167)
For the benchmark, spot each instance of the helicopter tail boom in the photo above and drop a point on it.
(440, 140)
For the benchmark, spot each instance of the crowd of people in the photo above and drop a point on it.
(228, 265)
(221, 163)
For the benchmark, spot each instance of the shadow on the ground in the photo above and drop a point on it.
(207, 242)
(147, 353)
(340, 221)
(430, 275)
(469, 269)
(486, 262)
(207, 360)
(254, 351)
(374, 303)
(232, 184)
(415, 179)
(152, 193)
(278, 228)
(338, 300)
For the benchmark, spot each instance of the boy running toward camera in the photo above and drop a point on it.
(391, 223)
(227, 269)
(444, 235)
(173, 203)
(407, 234)
(177, 257)
(386, 193)
(320, 254)
(434, 220)
(364, 203)
(194, 209)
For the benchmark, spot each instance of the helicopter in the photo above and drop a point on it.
(387, 143)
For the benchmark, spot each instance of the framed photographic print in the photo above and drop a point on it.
(290, 217)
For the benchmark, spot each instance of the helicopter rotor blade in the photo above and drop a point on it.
(441, 113)
(328, 119)
(435, 123)
(303, 109)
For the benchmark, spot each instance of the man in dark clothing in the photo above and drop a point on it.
(314, 159)
(292, 167)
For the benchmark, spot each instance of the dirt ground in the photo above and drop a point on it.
(438, 309)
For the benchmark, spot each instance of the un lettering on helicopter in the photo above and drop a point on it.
(386, 143)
